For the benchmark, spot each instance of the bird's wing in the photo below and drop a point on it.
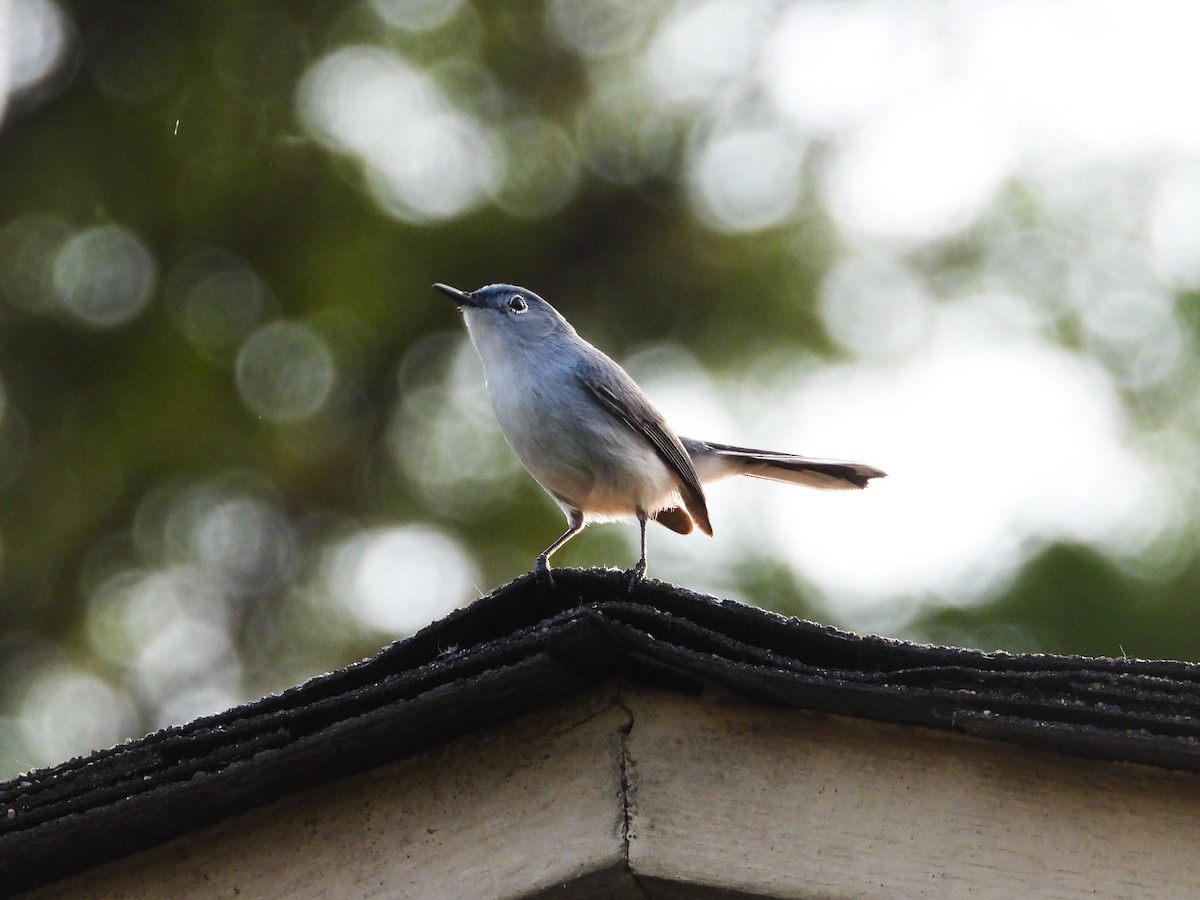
(617, 393)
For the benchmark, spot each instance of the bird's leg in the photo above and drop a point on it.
(638, 572)
(541, 568)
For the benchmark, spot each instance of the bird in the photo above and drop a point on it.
(590, 437)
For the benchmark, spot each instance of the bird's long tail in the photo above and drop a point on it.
(716, 461)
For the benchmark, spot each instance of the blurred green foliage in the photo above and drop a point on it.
(178, 122)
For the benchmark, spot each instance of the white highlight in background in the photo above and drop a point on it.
(397, 580)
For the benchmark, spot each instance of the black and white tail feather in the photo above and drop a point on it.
(716, 461)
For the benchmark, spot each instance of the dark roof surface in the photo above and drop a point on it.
(522, 647)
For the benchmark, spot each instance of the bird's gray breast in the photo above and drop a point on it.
(577, 450)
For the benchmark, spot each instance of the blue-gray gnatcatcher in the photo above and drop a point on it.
(591, 439)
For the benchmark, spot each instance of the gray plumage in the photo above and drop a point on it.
(589, 436)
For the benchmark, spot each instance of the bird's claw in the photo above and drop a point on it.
(541, 571)
(635, 576)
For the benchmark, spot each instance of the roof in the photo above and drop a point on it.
(525, 646)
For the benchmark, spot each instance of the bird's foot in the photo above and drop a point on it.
(541, 571)
(635, 576)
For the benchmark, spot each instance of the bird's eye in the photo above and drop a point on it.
(517, 304)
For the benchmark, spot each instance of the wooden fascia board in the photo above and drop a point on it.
(787, 803)
(531, 804)
(636, 792)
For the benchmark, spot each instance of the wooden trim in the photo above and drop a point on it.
(631, 792)
(527, 806)
(800, 804)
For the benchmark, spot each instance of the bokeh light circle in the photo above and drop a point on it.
(285, 372)
(395, 580)
(105, 276)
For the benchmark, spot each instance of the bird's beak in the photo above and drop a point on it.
(462, 298)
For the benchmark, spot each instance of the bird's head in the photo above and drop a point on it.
(503, 314)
